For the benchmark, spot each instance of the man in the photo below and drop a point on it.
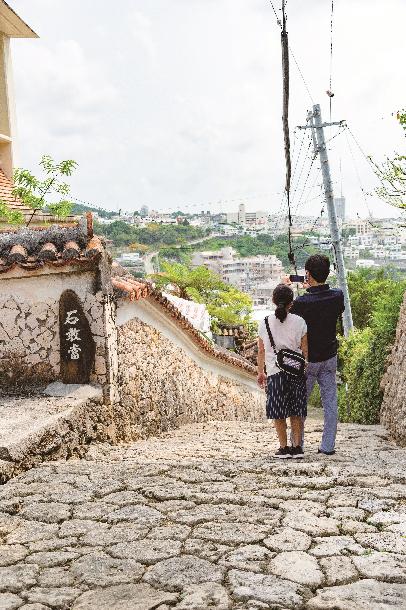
(321, 307)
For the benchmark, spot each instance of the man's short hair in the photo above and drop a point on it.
(318, 265)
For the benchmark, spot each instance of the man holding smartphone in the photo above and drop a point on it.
(321, 307)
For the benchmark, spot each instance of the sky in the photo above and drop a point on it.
(176, 104)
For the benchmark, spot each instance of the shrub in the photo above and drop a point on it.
(364, 354)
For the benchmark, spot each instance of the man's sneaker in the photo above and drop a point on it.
(326, 452)
(297, 452)
(283, 453)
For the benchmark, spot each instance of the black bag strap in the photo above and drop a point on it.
(270, 335)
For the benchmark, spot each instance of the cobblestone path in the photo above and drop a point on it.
(202, 518)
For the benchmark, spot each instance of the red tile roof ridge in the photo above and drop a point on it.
(62, 225)
(133, 289)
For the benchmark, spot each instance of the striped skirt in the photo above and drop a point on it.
(286, 396)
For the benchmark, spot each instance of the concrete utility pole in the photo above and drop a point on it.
(317, 127)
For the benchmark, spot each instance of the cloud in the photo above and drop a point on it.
(140, 27)
(179, 101)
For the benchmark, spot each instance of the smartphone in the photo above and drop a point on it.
(299, 279)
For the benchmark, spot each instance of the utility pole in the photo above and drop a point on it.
(317, 126)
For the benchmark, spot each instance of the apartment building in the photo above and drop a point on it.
(240, 272)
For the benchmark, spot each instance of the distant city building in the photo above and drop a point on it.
(244, 273)
(365, 263)
(144, 211)
(339, 204)
(247, 219)
(241, 214)
(130, 256)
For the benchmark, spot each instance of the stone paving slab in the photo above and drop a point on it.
(203, 518)
(37, 427)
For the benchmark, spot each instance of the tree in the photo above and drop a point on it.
(230, 306)
(136, 247)
(392, 175)
(366, 287)
(364, 356)
(34, 192)
(191, 284)
(348, 232)
(225, 303)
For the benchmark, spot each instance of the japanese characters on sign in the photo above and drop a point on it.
(72, 335)
(77, 345)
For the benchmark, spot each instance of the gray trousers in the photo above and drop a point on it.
(325, 375)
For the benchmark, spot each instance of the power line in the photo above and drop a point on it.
(302, 168)
(298, 155)
(331, 54)
(367, 159)
(307, 243)
(278, 21)
(357, 173)
(305, 183)
(301, 75)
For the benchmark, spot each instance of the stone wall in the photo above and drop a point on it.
(393, 410)
(162, 387)
(29, 326)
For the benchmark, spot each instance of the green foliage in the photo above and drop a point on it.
(348, 232)
(154, 235)
(364, 355)
(192, 284)
(401, 117)
(224, 302)
(230, 306)
(392, 175)
(12, 217)
(366, 287)
(264, 244)
(34, 192)
(81, 208)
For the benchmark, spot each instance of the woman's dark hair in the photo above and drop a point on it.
(282, 297)
(318, 266)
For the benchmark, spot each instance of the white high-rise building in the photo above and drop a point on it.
(241, 214)
(339, 203)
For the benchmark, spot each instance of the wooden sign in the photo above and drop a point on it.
(77, 344)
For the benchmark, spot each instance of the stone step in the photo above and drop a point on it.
(54, 424)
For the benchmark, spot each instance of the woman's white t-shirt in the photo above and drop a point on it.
(286, 335)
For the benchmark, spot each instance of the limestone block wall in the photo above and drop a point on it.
(393, 410)
(29, 325)
(161, 386)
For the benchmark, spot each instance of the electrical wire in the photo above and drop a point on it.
(364, 196)
(331, 53)
(303, 137)
(308, 243)
(278, 21)
(301, 75)
(301, 170)
(301, 202)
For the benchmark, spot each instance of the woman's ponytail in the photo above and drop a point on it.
(280, 312)
(282, 297)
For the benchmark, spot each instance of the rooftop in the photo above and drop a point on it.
(12, 25)
(55, 245)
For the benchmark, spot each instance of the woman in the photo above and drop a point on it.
(286, 393)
